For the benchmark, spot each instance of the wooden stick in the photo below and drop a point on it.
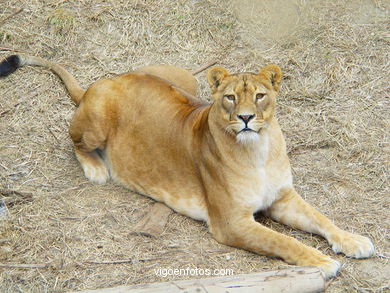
(153, 222)
(204, 67)
(295, 280)
(22, 266)
(11, 15)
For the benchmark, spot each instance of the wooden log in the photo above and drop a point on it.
(152, 224)
(295, 280)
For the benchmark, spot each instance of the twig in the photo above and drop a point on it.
(12, 50)
(109, 262)
(9, 200)
(52, 133)
(11, 15)
(22, 266)
(5, 192)
(328, 283)
(211, 34)
(18, 103)
(382, 256)
(6, 111)
(204, 67)
(121, 261)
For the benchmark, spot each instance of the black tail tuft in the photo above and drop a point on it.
(9, 65)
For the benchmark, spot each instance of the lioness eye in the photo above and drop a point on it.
(230, 97)
(259, 96)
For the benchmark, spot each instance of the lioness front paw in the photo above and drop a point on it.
(328, 265)
(97, 174)
(353, 245)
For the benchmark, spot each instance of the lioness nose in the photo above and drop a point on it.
(246, 118)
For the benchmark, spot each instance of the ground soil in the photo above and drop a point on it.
(333, 108)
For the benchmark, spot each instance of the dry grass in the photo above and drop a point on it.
(333, 108)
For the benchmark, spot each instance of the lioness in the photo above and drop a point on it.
(218, 162)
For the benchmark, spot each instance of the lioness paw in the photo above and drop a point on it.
(97, 174)
(329, 266)
(352, 245)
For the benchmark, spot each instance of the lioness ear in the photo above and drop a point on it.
(216, 75)
(273, 73)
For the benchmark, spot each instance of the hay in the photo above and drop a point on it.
(333, 108)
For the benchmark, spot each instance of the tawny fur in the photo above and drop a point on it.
(218, 162)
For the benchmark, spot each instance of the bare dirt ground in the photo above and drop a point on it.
(333, 108)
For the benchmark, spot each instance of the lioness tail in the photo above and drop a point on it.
(13, 62)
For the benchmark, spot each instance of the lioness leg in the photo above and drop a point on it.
(249, 235)
(292, 210)
(87, 140)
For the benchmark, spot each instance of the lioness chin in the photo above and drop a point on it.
(218, 162)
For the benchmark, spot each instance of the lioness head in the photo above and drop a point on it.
(244, 102)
